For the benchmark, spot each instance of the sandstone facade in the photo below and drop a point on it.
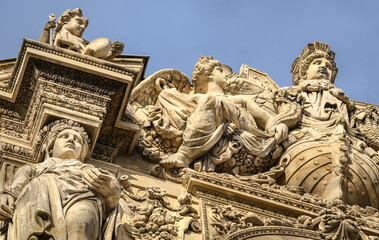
(90, 149)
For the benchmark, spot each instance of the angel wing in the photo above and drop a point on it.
(257, 84)
(258, 77)
(147, 92)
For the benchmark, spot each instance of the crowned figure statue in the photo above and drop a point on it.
(328, 155)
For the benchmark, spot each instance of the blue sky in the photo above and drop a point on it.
(267, 35)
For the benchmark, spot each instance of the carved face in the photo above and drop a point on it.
(76, 26)
(68, 145)
(320, 68)
(219, 76)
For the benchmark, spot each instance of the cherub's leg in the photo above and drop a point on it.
(177, 160)
(201, 133)
(82, 220)
(98, 48)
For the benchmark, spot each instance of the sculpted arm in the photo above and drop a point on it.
(45, 36)
(264, 120)
(20, 179)
(7, 198)
(104, 184)
(261, 116)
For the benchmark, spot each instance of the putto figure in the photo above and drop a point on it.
(68, 34)
(61, 197)
(210, 124)
(214, 112)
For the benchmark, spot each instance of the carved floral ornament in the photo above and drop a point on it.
(229, 223)
(255, 159)
(308, 216)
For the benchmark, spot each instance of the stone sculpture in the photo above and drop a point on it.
(68, 34)
(153, 217)
(209, 119)
(244, 159)
(327, 156)
(331, 150)
(61, 197)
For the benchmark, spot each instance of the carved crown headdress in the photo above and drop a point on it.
(48, 134)
(310, 52)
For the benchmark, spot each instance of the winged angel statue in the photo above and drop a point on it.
(223, 123)
(309, 136)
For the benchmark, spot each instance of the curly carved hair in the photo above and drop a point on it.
(66, 17)
(48, 134)
(311, 52)
(202, 72)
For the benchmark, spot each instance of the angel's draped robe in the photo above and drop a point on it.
(201, 120)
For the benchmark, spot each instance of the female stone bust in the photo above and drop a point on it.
(61, 197)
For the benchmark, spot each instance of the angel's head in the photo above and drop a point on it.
(315, 62)
(208, 70)
(73, 21)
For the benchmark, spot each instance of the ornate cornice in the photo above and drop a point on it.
(194, 181)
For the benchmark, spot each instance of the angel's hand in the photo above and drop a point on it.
(49, 25)
(280, 132)
(229, 130)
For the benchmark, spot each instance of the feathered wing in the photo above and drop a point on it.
(157, 116)
(257, 84)
(258, 77)
(146, 93)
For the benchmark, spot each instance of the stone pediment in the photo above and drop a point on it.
(49, 82)
(42, 51)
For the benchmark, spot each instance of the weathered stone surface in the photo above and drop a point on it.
(221, 119)
(61, 197)
(330, 159)
(92, 150)
(68, 34)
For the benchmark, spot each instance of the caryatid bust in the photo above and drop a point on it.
(68, 34)
(61, 197)
(327, 157)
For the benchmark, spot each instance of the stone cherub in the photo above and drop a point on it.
(326, 155)
(68, 34)
(61, 197)
(210, 117)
